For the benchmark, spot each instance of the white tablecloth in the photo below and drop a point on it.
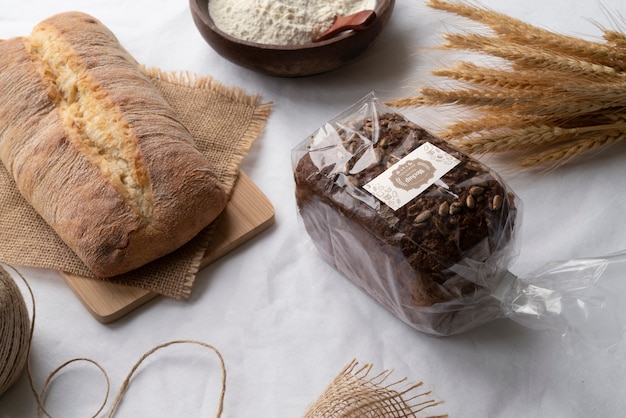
(284, 321)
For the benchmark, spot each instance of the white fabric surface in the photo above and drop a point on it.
(285, 322)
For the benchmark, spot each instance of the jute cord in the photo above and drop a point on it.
(40, 396)
(126, 382)
(14, 330)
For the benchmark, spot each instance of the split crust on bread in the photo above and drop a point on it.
(95, 148)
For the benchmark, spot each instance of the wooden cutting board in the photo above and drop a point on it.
(248, 213)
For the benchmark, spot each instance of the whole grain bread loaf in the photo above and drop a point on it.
(404, 258)
(95, 148)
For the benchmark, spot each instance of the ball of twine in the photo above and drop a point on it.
(14, 332)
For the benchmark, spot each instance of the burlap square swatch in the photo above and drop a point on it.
(224, 121)
(356, 394)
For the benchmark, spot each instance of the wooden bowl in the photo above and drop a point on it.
(290, 60)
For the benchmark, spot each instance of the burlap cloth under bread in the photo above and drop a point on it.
(224, 122)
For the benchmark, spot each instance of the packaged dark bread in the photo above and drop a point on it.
(405, 216)
(96, 150)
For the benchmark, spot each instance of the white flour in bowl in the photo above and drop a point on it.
(281, 22)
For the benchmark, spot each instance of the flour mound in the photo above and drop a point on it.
(276, 22)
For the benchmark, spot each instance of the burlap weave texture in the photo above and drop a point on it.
(356, 394)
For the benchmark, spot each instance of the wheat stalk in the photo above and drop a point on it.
(528, 56)
(507, 139)
(541, 103)
(477, 97)
(523, 80)
(568, 152)
(514, 139)
(486, 123)
(517, 31)
(547, 98)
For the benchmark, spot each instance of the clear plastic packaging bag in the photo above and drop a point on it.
(426, 230)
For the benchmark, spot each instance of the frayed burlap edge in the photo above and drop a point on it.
(353, 395)
(194, 81)
(190, 277)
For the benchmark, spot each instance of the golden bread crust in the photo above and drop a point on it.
(117, 207)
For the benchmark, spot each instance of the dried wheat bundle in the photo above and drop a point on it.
(549, 99)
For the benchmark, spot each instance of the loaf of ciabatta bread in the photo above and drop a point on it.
(95, 148)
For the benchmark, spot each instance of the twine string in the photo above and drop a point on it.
(127, 380)
(14, 323)
(46, 384)
(39, 396)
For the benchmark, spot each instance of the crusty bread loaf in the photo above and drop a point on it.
(405, 258)
(95, 148)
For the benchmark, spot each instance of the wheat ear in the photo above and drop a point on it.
(488, 122)
(517, 31)
(526, 57)
(561, 154)
(615, 39)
